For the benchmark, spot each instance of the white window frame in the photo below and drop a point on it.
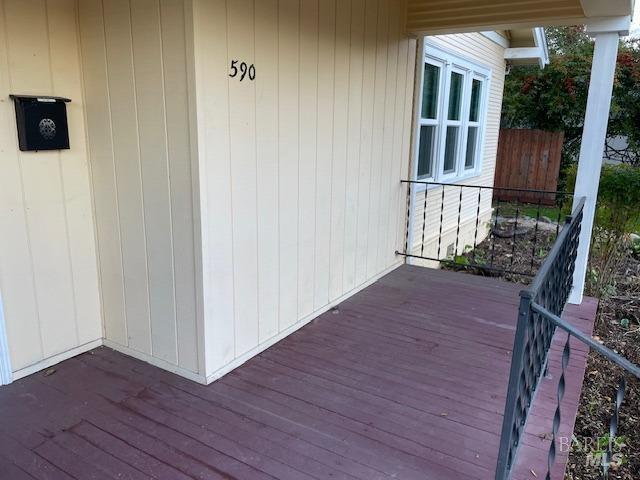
(430, 122)
(449, 61)
(480, 124)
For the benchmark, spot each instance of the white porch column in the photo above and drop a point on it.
(607, 35)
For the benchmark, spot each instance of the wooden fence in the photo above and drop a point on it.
(528, 159)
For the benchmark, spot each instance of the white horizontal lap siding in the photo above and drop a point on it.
(442, 216)
(481, 50)
(135, 66)
(300, 168)
(48, 274)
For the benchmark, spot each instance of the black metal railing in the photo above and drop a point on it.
(510, 231)
(534, 334)
(538, 317)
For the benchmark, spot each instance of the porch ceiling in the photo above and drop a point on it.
(452, 16)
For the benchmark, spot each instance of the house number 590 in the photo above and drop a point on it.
(242, 69)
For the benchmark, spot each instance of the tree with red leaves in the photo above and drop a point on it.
(554, 98)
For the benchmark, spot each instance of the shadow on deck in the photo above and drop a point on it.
(405, 380)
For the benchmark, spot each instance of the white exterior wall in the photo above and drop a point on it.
(136, 63)
(299, 170)
(481, 50)
(48, 274)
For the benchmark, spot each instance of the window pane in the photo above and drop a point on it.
(430, 87)
(474, 111)
(455, 96)
(451, 149)
(425, 153)
(472, 146)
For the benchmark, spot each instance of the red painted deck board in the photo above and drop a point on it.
(405, 380)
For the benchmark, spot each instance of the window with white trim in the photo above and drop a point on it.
(451, 117)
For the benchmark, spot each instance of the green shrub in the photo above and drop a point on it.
(617, 215)
(619, 199)
(618, 207)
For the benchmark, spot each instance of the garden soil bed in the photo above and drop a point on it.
(617, 327)
(522, 255)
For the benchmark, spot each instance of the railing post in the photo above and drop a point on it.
(506, 454)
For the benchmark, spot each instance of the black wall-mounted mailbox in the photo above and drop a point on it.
(42, 122)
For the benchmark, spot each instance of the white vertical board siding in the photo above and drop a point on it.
(339, 146)
(300, 169)
(308, 144)
(267, 198)
(324, 126)
(483, 51)
(48, 272)
(366, 134)
(215, 180)
(180, 151)
(354, 114)
(135, 57)
(288, 157)
(156, 188)
(242, 137)
(377, 135)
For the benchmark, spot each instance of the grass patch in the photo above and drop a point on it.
(554, 213)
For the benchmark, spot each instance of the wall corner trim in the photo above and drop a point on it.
(156, 362)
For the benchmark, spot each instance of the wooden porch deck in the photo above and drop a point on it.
(405, 380)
